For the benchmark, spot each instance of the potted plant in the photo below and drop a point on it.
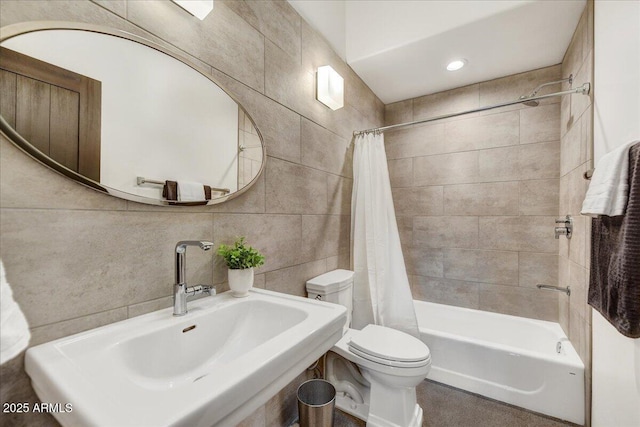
(241, 259)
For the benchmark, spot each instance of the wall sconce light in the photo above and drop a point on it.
(198, 8)
(329, 87)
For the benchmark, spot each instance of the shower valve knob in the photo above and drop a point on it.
(565, 230)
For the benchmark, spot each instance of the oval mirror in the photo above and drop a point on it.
(124, 115)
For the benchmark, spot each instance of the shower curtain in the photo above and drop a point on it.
(381, 292)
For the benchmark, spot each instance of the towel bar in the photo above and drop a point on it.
(142, 180)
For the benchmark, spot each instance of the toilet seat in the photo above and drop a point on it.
(392, 363)
(389, 347)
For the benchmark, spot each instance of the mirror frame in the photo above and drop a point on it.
(14, 30)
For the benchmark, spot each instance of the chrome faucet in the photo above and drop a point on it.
(180, 289)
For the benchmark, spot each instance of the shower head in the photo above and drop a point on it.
(535, 103)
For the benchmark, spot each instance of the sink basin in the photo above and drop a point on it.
(214, 366)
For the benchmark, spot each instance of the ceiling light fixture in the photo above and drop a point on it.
(198, 8)
(456, 65)
(330, 87)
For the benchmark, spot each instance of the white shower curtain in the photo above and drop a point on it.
(381, 292)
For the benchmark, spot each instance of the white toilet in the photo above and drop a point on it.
(375, 370)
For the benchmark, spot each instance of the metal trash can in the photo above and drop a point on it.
(316, 403)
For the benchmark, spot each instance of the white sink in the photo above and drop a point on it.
(214, 366)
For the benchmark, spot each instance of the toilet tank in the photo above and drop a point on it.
(334, 286)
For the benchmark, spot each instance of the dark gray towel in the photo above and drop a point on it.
(170, 190)
(614, 283)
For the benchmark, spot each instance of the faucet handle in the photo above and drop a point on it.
(565, 230)
(200, 289)
(566, 220)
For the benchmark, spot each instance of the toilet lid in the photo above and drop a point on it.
(389, 344)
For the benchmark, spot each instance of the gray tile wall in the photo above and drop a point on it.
(476, 196)
(77, 259)
(576, 158)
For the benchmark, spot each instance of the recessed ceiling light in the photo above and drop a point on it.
(456, 65)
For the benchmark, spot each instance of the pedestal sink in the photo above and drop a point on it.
(213, 366)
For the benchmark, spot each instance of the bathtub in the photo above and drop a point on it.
(523, 362)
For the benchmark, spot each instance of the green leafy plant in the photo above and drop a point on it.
(240, 256)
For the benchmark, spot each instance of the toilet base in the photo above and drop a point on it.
(382, 395)
(347, 405)
(361, 411)
(416, 420)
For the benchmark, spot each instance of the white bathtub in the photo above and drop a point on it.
(507, 358)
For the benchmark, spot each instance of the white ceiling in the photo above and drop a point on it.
(401, 48)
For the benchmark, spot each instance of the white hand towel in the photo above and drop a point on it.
(190, 191)
(14, 330)
(609, 188)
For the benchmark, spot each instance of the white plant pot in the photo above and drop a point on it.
(240, 281)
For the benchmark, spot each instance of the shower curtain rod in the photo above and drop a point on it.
(584, 90)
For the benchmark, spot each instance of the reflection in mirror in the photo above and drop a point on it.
(125, 113)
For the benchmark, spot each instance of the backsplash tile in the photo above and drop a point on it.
(67, 264)
(54, 331)
(278, 237)
(292, 280)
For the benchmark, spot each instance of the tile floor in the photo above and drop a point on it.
(446, 406)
